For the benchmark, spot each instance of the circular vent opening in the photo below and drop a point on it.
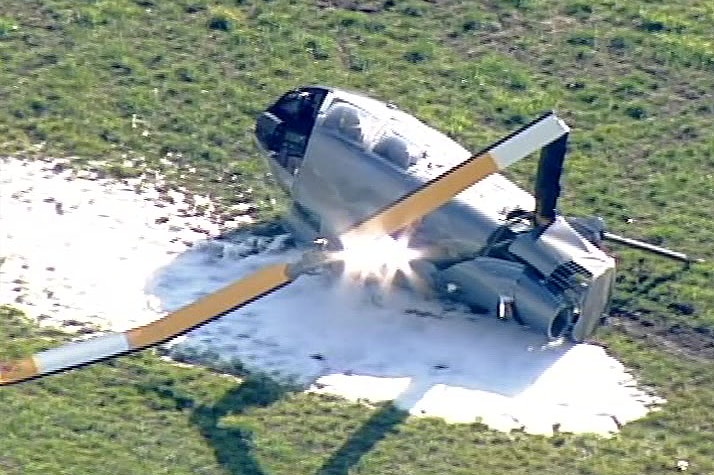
(560, 323)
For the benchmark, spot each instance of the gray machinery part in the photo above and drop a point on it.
(489, 283)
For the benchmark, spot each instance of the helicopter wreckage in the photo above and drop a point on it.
(378, 193)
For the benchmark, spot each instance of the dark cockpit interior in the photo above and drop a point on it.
(284, 128)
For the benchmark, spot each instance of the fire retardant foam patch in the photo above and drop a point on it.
(80, 253)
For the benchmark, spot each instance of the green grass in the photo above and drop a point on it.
(133, 84)
(141, 415)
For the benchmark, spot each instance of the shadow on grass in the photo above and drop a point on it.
(651, 283)
(645, 285)
(363, 440)
(234, 446)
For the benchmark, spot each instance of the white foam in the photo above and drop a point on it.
(80, 250)
(115, 266)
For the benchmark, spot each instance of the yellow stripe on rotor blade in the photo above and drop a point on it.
(210, 306)
(426, 199)
(17, 371)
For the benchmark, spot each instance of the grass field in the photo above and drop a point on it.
(122, 85)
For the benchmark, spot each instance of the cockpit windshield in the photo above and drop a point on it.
(396, 136)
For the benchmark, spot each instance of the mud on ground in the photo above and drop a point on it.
(695, 343)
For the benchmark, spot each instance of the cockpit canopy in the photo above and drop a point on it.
(391, 134)
(380, 130)
(373, 134)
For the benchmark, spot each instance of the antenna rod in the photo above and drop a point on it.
(634, 243)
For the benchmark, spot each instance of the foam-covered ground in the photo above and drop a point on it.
(83, 253)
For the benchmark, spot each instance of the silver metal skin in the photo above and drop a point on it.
(353, 155)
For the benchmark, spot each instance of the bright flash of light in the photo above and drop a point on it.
(377, 258)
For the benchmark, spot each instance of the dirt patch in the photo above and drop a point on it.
(696, 343)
